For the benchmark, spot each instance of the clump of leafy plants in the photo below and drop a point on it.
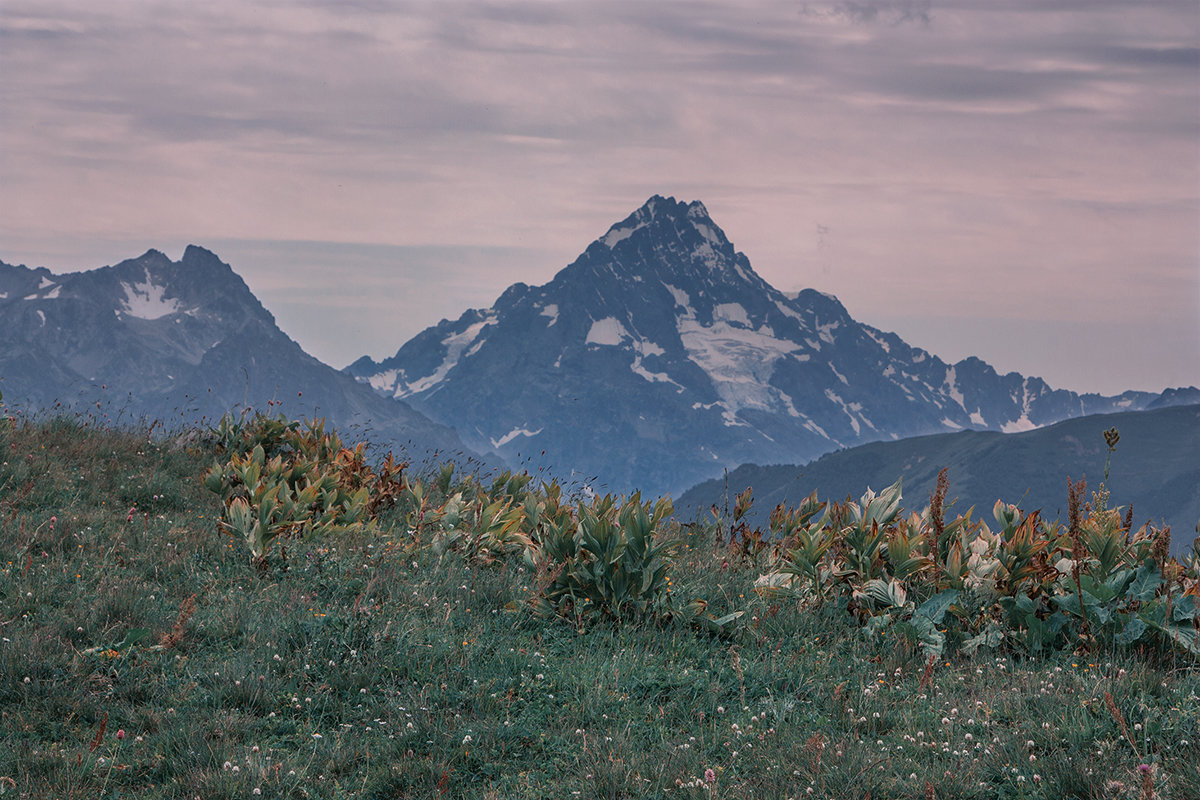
(1031, 584)
(279, 477)
(608, 559)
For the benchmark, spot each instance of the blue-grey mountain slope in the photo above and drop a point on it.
(181, 342)
(660, 357)
(1156, 467)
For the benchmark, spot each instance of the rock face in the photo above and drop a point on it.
(659, 357)
(182, 342)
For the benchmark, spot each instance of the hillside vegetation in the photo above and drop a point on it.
(258, 610)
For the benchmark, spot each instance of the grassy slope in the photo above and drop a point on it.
(365, 670)
(1155, 467)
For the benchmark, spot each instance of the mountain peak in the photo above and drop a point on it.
(659, 355)
(667, 233)
(668, 208)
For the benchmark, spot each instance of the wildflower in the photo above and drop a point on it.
(121, 733)
(710, 776)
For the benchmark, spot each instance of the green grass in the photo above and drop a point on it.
(361, 668)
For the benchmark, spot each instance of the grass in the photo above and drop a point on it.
(361, 667)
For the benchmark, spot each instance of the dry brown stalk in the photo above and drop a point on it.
(99, 737)
(927, 676)
(1161, 549)
(1075, 495)
(937, 515)
(174, 636)
(815, 747)
(1119, 718)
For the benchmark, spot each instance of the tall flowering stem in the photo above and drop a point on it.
(1075, 494)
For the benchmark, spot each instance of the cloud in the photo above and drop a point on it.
(891, 12)
(955, 150)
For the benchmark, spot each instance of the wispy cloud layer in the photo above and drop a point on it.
(919, 159)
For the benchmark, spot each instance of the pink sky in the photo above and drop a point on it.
(1015, 179)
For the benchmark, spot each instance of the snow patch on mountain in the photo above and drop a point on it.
(817, 429)
(384, 381)
(836, 398)
(787, 310)
(551, 311)
(951, 384)
(608, 332)
(738, 360)
(732, 312)
(643, 349)
(708, 233)
(514, 433)
(455, 344)
(681, 298)
(879, 340)
(146, 300)
(825, 332)
(1019, 425)
(617, 234)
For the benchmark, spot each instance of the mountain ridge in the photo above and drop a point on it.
(185, 340)
(659, 356)
(1153, 467)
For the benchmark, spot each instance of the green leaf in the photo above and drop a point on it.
(935, 607)
(1186, 637)
(1118, 582)
(990, 638)
(1145, 583)
(1184, 609)
(132, 637)
(1070, 604)
(876, 624)
(1101, 591)
(885, 594)
(1133, 631)
(933, 641)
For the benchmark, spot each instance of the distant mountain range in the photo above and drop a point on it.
(654, 361)
(659, 357)
(181, 342)
(1156, 467)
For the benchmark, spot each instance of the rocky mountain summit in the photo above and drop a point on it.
(179, 341)
(659, 357)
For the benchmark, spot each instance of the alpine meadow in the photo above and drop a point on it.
(612, 400)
